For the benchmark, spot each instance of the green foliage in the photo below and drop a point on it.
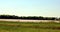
(28, 17)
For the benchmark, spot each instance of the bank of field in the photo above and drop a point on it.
(7, 26)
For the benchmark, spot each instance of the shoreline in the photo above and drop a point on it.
(25, 20)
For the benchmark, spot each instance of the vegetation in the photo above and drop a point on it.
(28, 17)
(29, 27)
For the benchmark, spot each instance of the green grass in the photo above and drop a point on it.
(29, 27)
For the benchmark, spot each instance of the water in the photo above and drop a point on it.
(21, 20)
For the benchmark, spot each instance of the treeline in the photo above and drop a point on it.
(28, 17)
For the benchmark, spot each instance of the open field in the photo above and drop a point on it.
(29, 26)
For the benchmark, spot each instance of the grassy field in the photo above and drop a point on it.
(29, 27)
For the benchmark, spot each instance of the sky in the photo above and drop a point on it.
(46, 8)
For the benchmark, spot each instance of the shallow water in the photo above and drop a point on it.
(21, 20)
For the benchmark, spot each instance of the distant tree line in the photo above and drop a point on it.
(28, 17)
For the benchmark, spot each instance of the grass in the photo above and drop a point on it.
(29, 26)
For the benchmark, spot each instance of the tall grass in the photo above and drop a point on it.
(29, 26)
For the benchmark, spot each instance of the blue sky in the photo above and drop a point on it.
(47, 8)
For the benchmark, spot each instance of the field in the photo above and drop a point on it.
(29, 26)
